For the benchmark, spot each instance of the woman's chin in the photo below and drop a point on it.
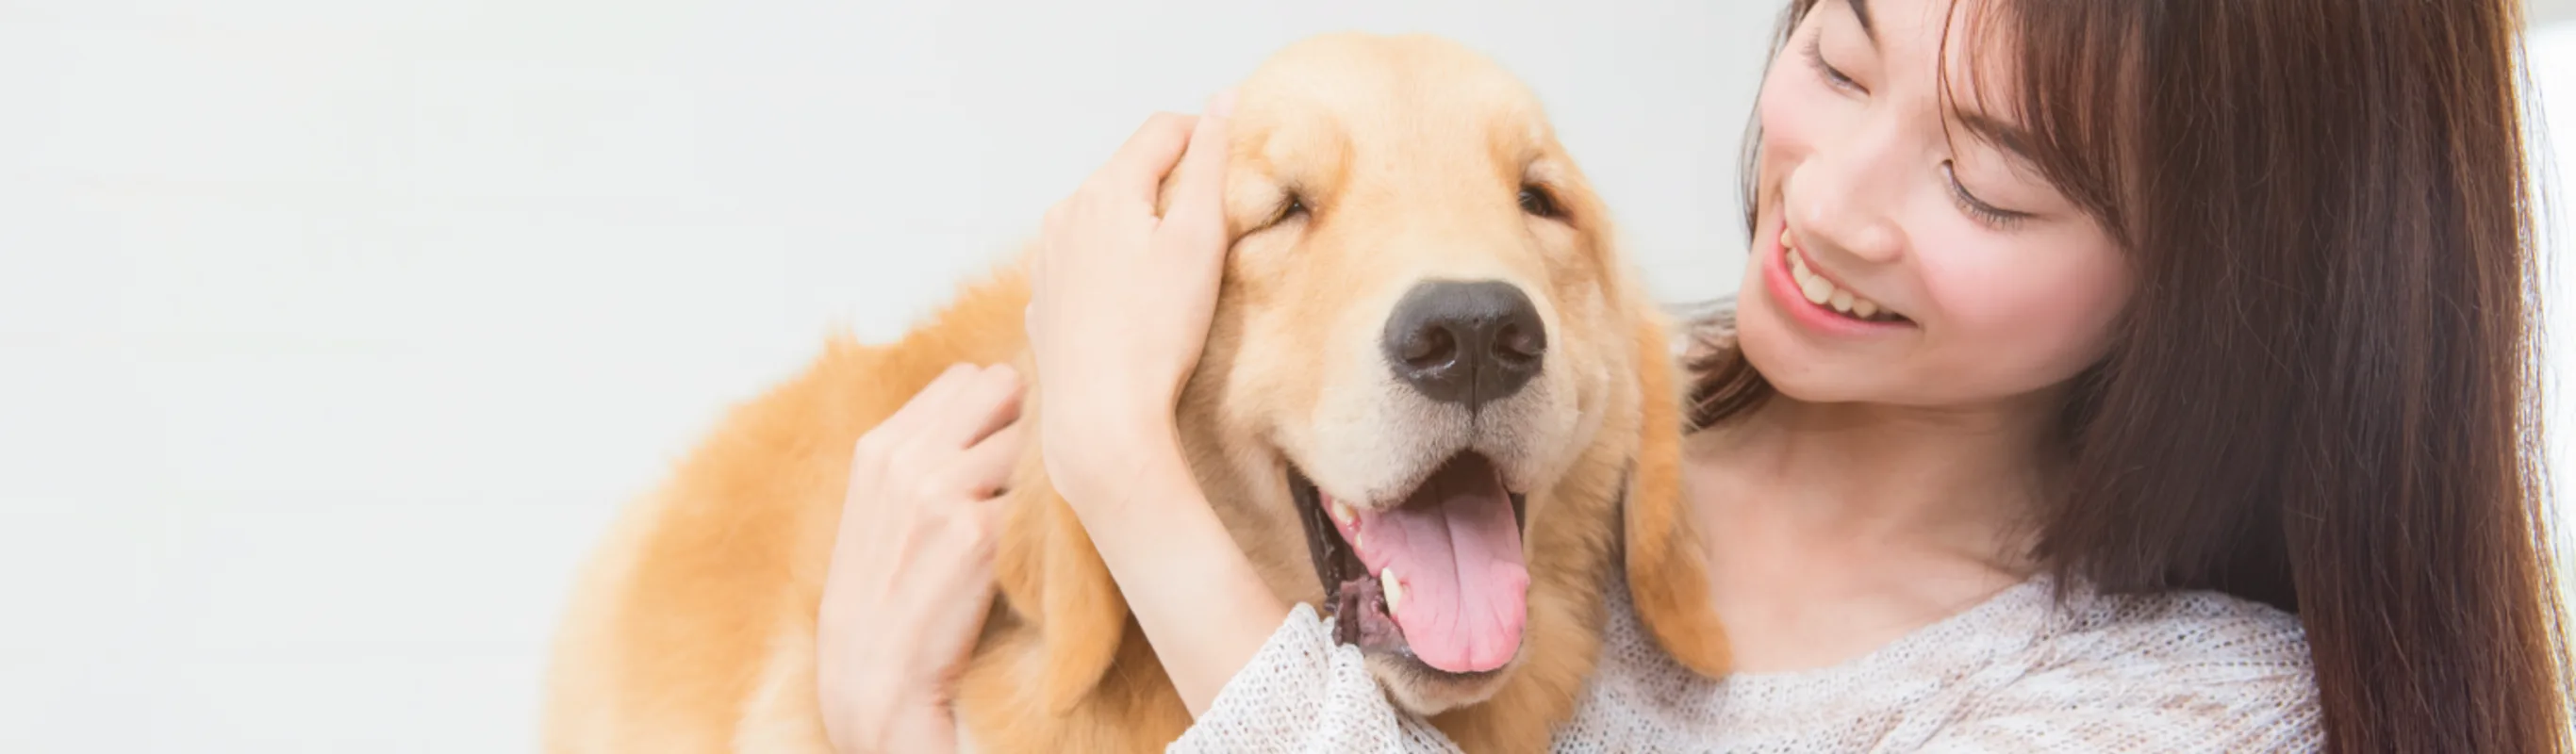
(1791, 372)
(1796, 370)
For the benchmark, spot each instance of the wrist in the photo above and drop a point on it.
(879, 700)
(888, 726)
(1114, 463)
(931, 729)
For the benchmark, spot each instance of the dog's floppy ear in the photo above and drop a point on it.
(1666, 579)
(1052, 576)
(1086, 619)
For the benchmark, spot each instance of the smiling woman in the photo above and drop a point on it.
(2297, 407)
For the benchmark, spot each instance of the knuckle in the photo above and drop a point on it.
(994, 375)
(904, 461)
(973, 531)
(927, 489)
(871, 447)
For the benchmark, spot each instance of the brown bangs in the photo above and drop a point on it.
(2067, 69)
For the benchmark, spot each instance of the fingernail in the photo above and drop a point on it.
(1221, 105)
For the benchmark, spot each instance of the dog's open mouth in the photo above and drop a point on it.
(1438, 577)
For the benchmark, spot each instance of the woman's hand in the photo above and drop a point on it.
(1120, 305)
(1119, 312)
(912, 570)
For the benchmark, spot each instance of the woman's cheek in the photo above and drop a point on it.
(1788, 109)
(2039, 323)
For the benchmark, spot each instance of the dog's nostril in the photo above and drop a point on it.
(1429, 347)
(1514, 343)
(1468, 343)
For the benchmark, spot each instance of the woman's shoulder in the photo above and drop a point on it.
(2205, 632)
(2193, 670)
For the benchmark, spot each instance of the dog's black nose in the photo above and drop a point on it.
(1466, 343)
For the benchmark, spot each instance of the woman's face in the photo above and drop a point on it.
(1903, 253)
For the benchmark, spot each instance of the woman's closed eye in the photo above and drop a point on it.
(1815, 54)
(1985, 214)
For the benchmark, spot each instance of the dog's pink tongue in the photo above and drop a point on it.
(1456, 551)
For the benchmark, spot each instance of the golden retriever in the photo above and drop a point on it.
(1430, 387)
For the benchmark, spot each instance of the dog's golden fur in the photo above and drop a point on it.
(692, 629)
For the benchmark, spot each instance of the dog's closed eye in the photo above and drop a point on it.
(1291, 206)
(1536, 200)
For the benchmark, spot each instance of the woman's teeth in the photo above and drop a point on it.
(1822, 292)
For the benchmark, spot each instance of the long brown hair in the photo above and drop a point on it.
(2324, 395)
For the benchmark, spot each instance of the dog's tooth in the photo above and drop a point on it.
(1342, 512)
(1394, 589)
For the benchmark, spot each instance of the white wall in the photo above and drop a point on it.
(2551, 61)
(334, 330)
(2544, 12)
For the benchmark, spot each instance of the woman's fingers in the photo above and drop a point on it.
(985, 469)
(923, 408)
(919, 410)
(876, 450)
(949, 424)
(1197, 214)
(984, 404)
(1137, 170)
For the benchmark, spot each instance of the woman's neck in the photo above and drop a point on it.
(1957, 479)
(1833, 529)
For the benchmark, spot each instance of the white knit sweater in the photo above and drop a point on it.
(2180, 672)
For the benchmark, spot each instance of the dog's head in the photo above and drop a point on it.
(1423, 326)
(1430, 374)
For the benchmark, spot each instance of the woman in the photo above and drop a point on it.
(2118, 376)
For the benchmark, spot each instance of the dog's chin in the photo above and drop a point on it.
(1424, 690)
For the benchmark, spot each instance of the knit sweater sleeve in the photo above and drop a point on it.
(1305, 692)
(2211, 682)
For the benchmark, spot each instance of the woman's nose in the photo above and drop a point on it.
(1842, 200)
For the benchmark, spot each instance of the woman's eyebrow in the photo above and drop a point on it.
(1860, 12)
(2010, 138)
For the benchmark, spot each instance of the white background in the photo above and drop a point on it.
(333, 331)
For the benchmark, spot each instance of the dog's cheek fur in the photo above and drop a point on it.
(1227, 424)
